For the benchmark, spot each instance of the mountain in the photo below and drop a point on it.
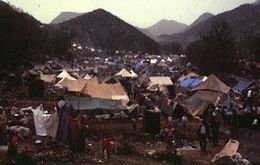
(244, 21)
(102, 29)
(65, 16)
(25, 39)
(166, 27)
(20, 36)
(256, 2)
(147, 33)
(201, 18)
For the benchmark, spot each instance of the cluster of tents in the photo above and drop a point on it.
(211, 91)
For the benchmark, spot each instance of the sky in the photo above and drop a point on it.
(141, 13)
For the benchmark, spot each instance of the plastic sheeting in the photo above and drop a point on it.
(190, 83)
(242, 85)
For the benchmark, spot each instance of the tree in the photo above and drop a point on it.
(250, 48)
(172, 48)
(215, 51)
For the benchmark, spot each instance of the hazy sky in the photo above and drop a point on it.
(142, 13)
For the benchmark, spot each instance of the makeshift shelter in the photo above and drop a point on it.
(195, 105)
(242, 85)
(87, 77)
(211, 97)
(189, 75)
(48, 78)
(65, 74)
(124, 73)
(72, 85)
(106, 91)
(110, 80)
(190, 83)
(229, 150)
(94, 106)
(160, 81)
(213, 84)
(133, 73)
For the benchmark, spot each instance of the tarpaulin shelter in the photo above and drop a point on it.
(133, 73)
(189, 75)
(229, 150)
(213, 84)
(48, 78)
(190, 83)
(195, 105)
(65, 74)
(211, 97)
(72, 85)
(160, 81)
(242, 85)
(87, 77)
(212, 91)
(125, 73)
(105, 91)
(94, 106)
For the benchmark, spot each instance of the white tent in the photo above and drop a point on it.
(65, 74)
(124, 73)
(87, 77)
(133, 73)
(160, 81)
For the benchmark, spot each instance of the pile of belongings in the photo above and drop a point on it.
(229, 155)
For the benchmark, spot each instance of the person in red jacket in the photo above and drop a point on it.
(12, 145)
(106, 146)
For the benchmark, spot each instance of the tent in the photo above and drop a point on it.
(94, 106)
(49, 78)
(124, 73)
(133, 73)
(72, 85)
(160, 81)
(65, 74)
(190, 83)
(210, 96)
(242, 85)
(195, 105)
(189, 75)
(229, 150)
(87, 77)
(106, 91)
(213, 84)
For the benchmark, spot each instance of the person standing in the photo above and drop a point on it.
(3, 130)
(105, 146)
(62, 131)
(215, 130)
(202, 134)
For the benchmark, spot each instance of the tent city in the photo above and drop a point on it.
(129, 82)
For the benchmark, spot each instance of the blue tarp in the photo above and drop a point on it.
(190, 83)
(146, 74)
(137, 66)
(242, 85)
(195, 83)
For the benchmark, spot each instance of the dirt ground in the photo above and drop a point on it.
(138, 143)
